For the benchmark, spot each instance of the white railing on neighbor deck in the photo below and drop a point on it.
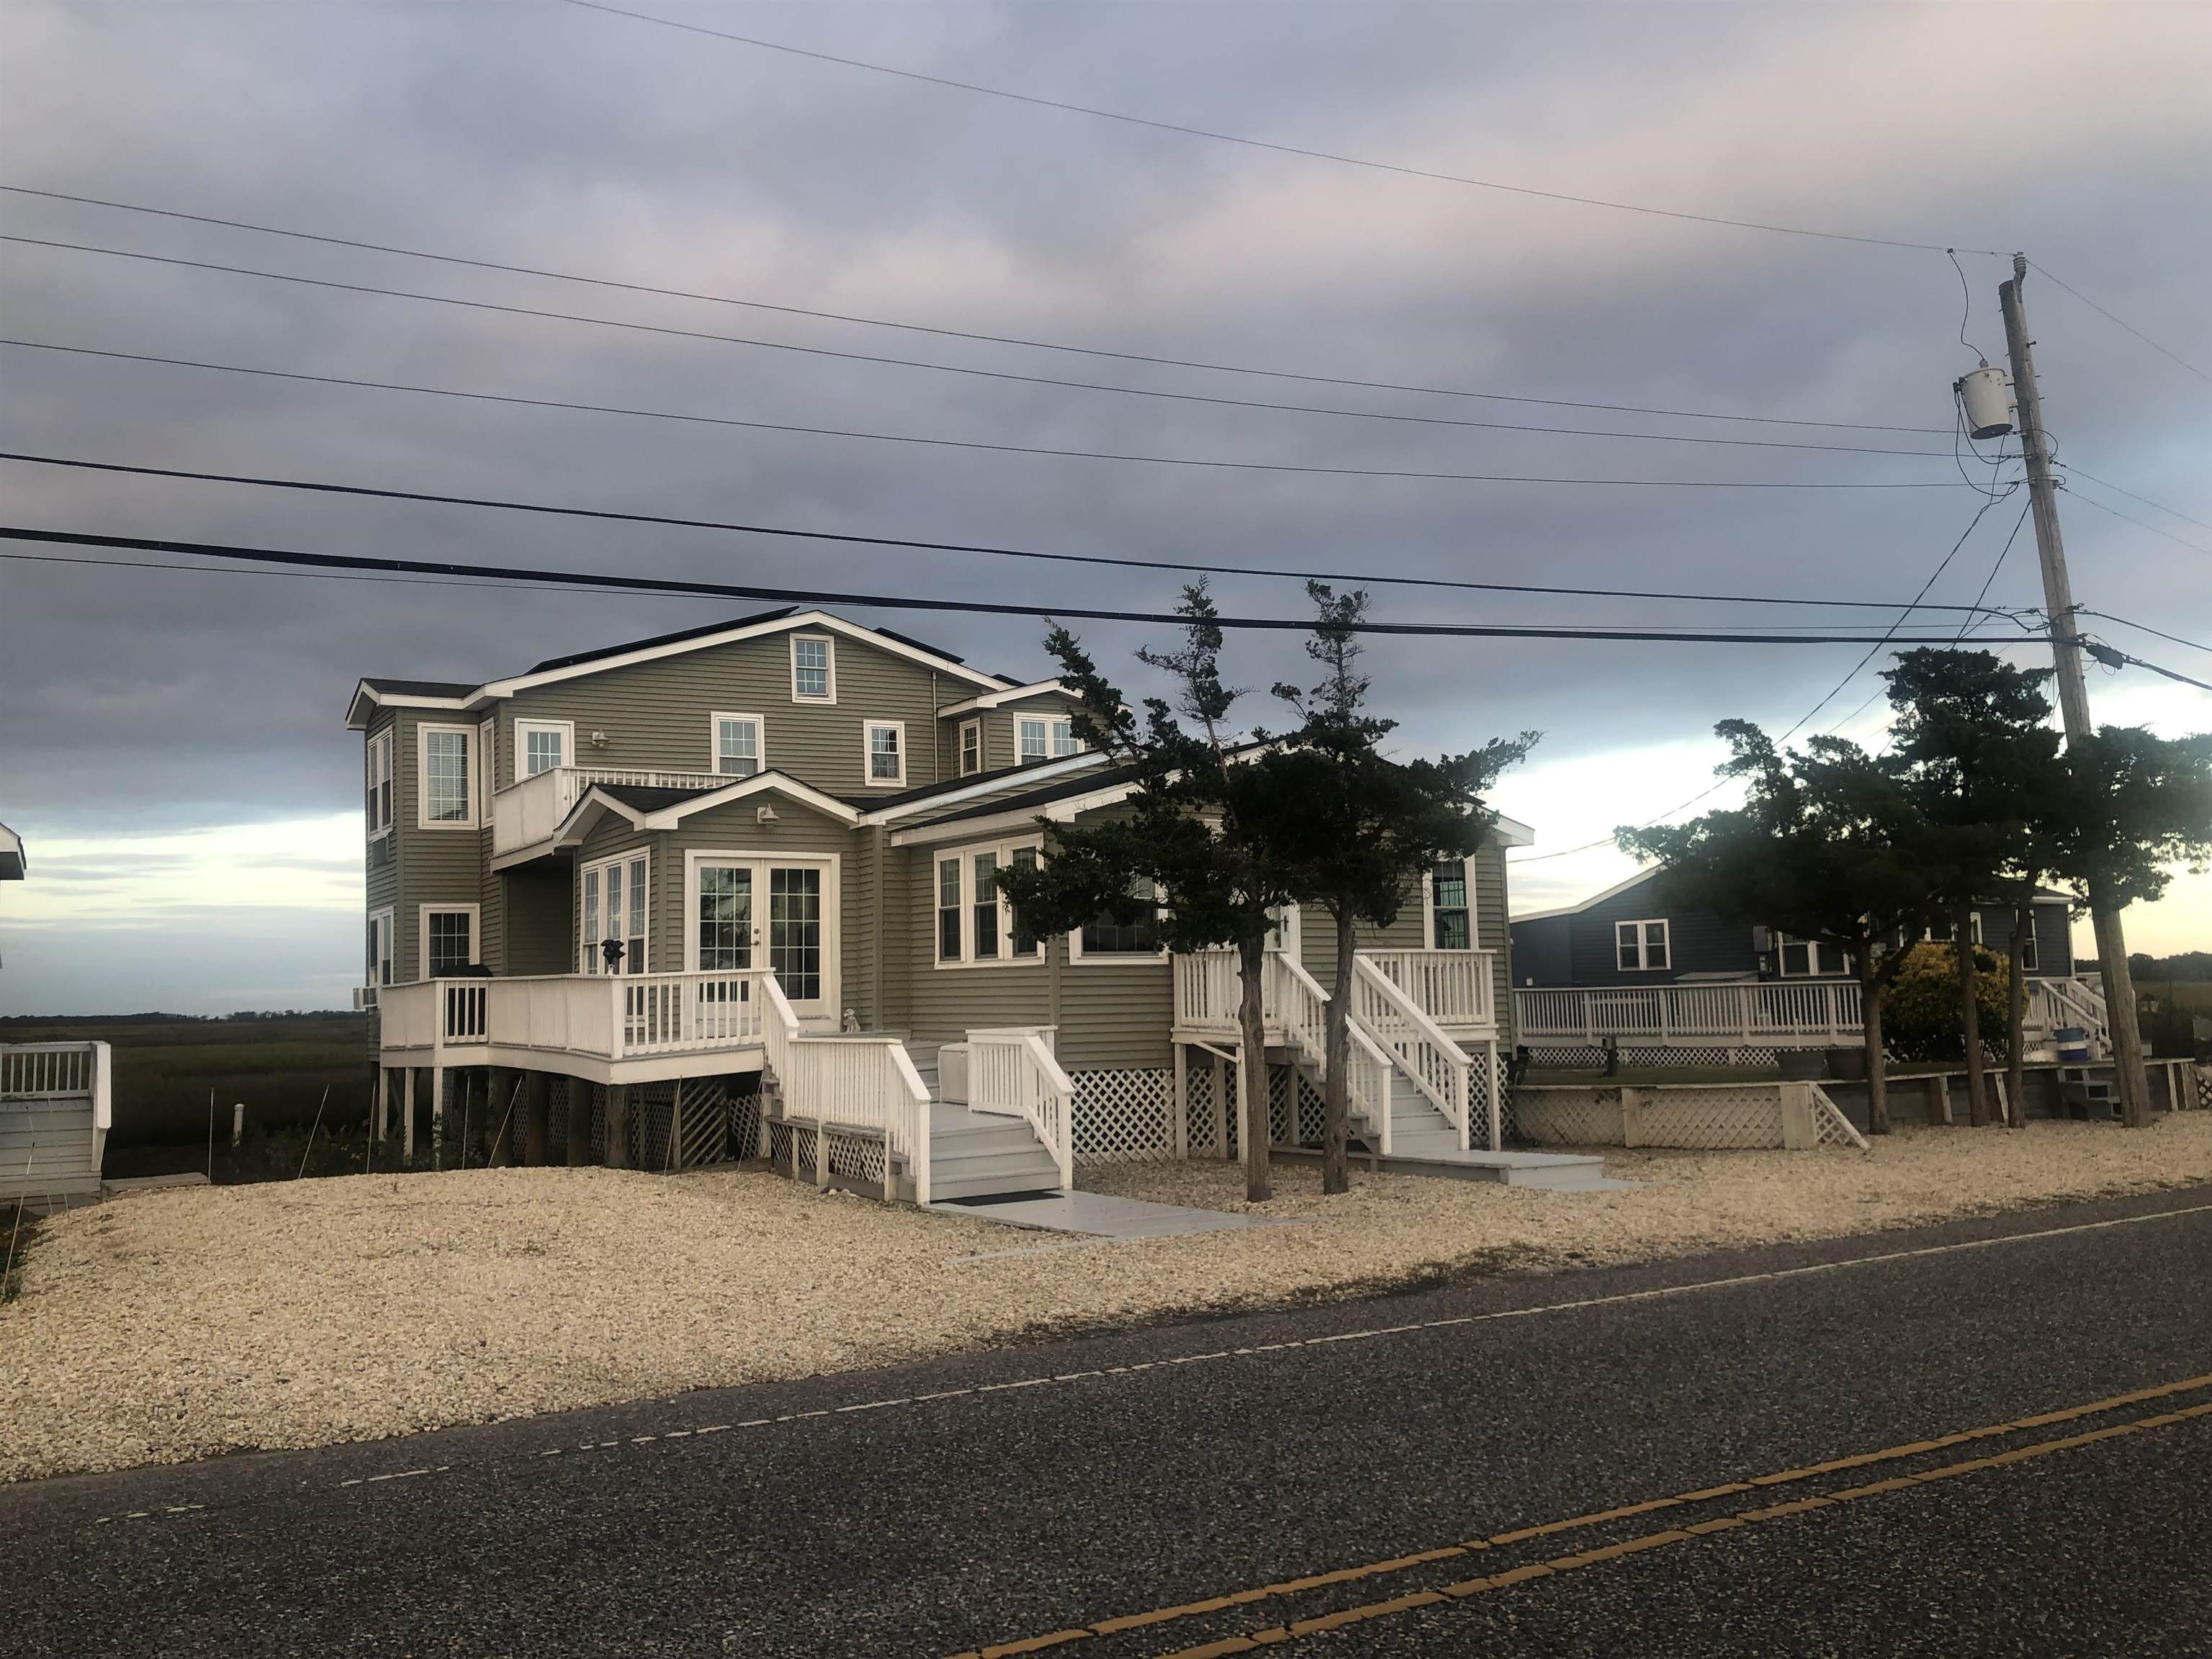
(1774, 1014)
(1436, 1065)
(861, 1081)
(1012, 1070)
(2053, 1003)
(46, 1149)
(1453, 987)
(1207, 990)
(527, 811)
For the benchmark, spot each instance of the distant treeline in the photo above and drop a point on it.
(11, 1021)
(2188, 966)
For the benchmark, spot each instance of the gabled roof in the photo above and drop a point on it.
(441, 694)
(13, 861)
(1010, 693)
(2043, 895)
(652, 808)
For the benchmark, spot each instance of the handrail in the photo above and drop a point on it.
(1011, 1069)
(1762, 1013)
(1453, 988)
(1367, 1082)
(1436, 1065)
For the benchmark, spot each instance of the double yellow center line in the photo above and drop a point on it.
(1612, 1552)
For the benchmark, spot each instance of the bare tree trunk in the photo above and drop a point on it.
(2023, 924)
(1252, 1069)
(1970, 1019)
(1336, 1080)
(1870, 991)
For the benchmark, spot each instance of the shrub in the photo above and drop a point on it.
(1920, 1020)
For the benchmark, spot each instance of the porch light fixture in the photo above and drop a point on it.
(763, 815)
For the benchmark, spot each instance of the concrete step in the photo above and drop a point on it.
(965, 1180)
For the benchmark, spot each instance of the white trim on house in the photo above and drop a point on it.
(1025, 779)
(963, 859)
(381, 941)
(520, 732)
(1005, 695)
(1511, 832)
(357, 718)
(868, 730)
(1015, 817)
(589, 961)
(966, 730)
(1429, 907)
(487, 747)
(423, 914)
(1643, 964)
(1613, 891)
(596, 802)
(377, 809)
(826, 667)
(1052, 730)
(714, 722)
(473, 737)
(828, 1006)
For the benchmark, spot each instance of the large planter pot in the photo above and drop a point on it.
(1846, 1065)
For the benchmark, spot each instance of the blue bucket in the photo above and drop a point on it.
(2072, 1045)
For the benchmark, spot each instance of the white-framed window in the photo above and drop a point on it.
(739, 750)
(614, 903)
(813, 668)
(1105, 939)
(377, 805)
(1451, 905)
(446, 769)
(884, 761)
(2030, 961)
(1641, 946)
(379, 947)
(448, 933)
(971, 748)
(1948, 932)
(1046, 736)
(542, 745)
(975, 921)
(1805, 958)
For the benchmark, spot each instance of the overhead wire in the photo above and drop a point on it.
(928, 441)
(793, 532)
(2106, 484)
(2102, 507)
(2164, 351)
(819, 596)
(957, 369)
(1022, 342)
(1265, 144)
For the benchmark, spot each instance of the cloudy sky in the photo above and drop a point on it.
(172, 744)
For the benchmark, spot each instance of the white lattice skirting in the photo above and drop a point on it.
(1126, 1116)
(1696, 1117)
(1582, 1058)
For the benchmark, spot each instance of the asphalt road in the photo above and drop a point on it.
(1050, 1490)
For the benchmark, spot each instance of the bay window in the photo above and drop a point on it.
(612, 910)
(377, 806)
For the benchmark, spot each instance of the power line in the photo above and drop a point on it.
(1989, 582)
(2120, 323)
(1189, 566)
(2091, 500)
(596, 580)
(1262, 143)
(959, 443)
(2116, 659)
(2107, 484)
(955, 368)
(952, 333)
(1889, 638)
(2144, 628)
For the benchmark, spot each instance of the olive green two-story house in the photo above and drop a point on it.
(732, 891)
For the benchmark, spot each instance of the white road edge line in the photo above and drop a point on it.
(1580, 1304)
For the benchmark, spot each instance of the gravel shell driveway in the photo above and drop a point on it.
(174, 1325)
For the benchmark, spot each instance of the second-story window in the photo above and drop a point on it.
(737, 746)
(971, 748)
(886, 751)
(1047, 737)
(813, 669)
(377, 807)
(540, 746)
(448, 779)
(1448, 895)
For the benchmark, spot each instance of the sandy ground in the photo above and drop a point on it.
(173, 1325)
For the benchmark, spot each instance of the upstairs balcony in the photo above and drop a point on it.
(525, 814)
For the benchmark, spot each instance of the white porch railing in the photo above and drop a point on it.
(527, 811)
(2053, 1003)
(51, 1146)
(1453, 987)
(858, 1081)
(1774, 1014)
(1013, 1071)
(1436, 1065)
(611, 1017)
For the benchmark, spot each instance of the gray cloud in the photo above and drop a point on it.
(138, 700)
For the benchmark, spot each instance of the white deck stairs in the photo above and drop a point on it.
(984, 1155)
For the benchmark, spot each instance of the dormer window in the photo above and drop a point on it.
(1047, 737)
(813, 669)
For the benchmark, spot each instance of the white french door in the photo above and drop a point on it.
(765, 912)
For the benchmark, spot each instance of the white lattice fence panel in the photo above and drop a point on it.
(1567, 1117)
(856, 1157)
(1483, 1096)
(1198, 1112)
(1124, 1115)
(1830, 1126)
(1582, 1058)
(556, 1119)
(2204, 1088)
(651, 1118)
(1722, 1118)
(703, 1128)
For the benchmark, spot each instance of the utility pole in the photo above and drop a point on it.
(2073, 693)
